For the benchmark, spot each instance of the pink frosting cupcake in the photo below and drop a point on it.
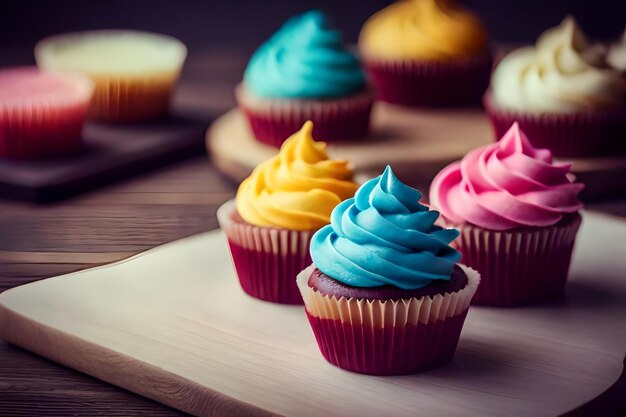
(517, 212)
(41, 113)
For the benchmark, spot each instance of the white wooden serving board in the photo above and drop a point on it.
(418, 143)
(172, 324)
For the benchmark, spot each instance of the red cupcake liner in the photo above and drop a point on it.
(267, 260)
(47, 118)
(391, 337)
(41, 132)
(581, 134)
(519, 267)
(396, 351)
(274, 120)
(415, 83)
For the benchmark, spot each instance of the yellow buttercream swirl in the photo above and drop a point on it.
(423, 29)
(298, 188)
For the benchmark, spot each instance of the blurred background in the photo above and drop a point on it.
(233, 29)
(247, 22)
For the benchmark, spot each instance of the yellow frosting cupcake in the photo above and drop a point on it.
(134, 72)
(423, 29)
(277, 209)
(429, 53)
(298, 188)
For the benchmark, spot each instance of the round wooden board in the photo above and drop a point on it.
(416, 143)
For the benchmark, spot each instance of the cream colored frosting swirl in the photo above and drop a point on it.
(616, 56)
(560, 74)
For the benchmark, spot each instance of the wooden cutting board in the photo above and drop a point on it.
(172, 324)
(417, 144)
(110, 152)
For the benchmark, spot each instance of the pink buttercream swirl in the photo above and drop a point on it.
(506, 185)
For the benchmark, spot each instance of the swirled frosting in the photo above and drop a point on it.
(423, 29)
(298, 188)
(304, 59)
(560, 74)
(384, 236)
(616, 56)
(506, 185)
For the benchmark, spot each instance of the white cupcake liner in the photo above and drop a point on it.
(388, 313)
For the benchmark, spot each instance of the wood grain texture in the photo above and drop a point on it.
(417, 143)
(173, 324)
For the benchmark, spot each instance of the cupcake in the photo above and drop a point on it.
(41, 113)
(562, 93)
(276, 211)
(385, 294)
(305, 72)
(517, 212)
(134, 72)
(427, 53)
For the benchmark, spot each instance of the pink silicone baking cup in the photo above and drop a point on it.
(519, 267)
(581, 134)
(416, 83)
(273, 120)
(267, 260)
(391, 337)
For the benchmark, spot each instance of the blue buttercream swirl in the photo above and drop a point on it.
(304, 59)
(384, 236)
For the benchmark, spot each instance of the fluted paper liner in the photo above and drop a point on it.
(127, 99)
(582, 134)
(522, 266)
(423, 83)
(389, 337)
(42, 130)
(387, 313)
(273, 120)
(267, 259)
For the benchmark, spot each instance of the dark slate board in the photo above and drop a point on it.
(111, 152)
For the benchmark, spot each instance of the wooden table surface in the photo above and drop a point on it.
(116, 222)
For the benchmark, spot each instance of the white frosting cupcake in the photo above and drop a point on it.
(134, 72)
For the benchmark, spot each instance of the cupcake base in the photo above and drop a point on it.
(387, 337)
(387, 351)
(266, 259)
(582, 134)
(268, 276)
(519, 267)
(41, 113)
(417, 83)
(41, 134)
(273, 120)
(131, 99)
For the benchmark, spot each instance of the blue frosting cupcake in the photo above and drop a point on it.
(385, 294)
(305, 59)
(384, 236)
(305, 72)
